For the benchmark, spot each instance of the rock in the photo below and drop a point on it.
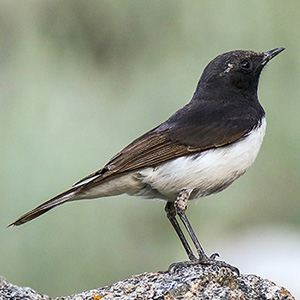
(192, 282)
(9, 291)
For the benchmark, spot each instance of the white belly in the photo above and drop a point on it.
(208, 172)
(205, 173)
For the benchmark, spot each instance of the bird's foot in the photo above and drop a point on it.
(220, 263)
(205, 261)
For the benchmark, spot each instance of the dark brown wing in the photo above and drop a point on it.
(193, 128)
(156, 147)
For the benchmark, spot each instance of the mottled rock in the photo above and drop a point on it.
(192, 282)
(9, 291)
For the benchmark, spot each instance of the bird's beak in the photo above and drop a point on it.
(268, 55)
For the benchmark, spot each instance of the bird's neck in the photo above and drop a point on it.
(213, 91)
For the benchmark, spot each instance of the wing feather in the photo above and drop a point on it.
(157, 147)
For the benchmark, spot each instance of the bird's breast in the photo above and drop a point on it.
(207, 172)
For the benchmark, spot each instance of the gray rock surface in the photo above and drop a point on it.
(193, 282)
(9, 291)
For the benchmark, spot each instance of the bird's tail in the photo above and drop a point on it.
(44, 207)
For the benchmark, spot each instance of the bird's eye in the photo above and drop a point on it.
(245, 65)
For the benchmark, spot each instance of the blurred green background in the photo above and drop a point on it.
(81, 79)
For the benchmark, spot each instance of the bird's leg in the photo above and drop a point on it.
(171, 215)
(180, 205)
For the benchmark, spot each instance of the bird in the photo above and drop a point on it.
(200, 150)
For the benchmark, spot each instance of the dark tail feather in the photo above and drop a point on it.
(44, 207)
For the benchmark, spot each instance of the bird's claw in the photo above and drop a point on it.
(211, 260)
(214, 256)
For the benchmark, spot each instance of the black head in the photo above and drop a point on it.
(234, 72)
